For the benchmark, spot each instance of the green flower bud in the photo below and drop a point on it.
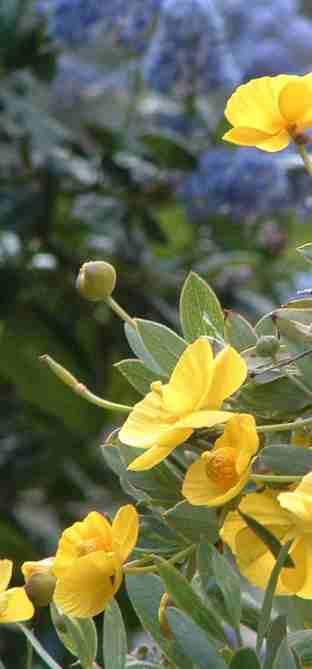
(96, 280)
(40, 589)
(267, 346)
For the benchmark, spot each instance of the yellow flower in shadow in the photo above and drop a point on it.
(220, 474)
(192, 399)
(269, 112)
(288, 515)
(14, 603)
(89, 560)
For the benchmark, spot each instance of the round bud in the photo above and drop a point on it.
(40, 589)
(96, 280)
(267, 346)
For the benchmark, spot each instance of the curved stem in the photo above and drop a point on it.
(305, 157)
(121, 313)
(274, 478)
(128, 569)
(80, 389)
(285, 427)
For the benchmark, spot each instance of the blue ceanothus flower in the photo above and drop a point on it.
(188, 51)
(239, 184)
(71, 21)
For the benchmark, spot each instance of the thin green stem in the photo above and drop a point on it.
(305, 157)
(298, 383)
(29, 655)
(121, 313)
(80, 389)
(128, 569)
(285, 427)
(274, 478)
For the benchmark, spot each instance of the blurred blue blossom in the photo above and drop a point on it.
(241, 184)
(188, 51)
(71, 21)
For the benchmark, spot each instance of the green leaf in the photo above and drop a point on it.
(200, 310)
(306, 251)
(145, 592)
(137, 347)
(277, 633)
(48, 660)
(209, 559)
(156, 537)
(269, 539)
(164, 345)
(193, 641)
(298, 339)
(193, 522)
(168, 151)
(245, 658)
(238, 332)
(188, 601)
(78, 635)
(301, 642)
(273, 400)
(138, 375)
(285, 459)
(132, 663)
(269, 593)
(114, 638)
(266, 324)
(285, 658)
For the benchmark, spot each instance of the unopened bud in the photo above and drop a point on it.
(40, 589)
(267, 346)
(96, 280)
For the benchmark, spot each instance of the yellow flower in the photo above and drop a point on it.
(220, 474)
(269, 112)
(31, 568)
(288, 515)
(89, 559)
(14, 603)
(39, 581)
(192, 399)
(302, 438)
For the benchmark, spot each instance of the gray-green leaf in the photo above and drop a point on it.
(114, 637)
(194, 642)
(267, 604)
(164, 345)
(226, 578)
(245, 658)
(200, 310)
(238, 331)
(138, 374)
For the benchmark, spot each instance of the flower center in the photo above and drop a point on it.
(90, 546)
(221, 467)
(4, 601)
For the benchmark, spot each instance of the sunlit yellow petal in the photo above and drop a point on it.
(229, 373)
(254, 104)
(264, 507)
(18, 606)
(246, 136)
(85, 589)
(240, 433)
(199, 489)
(204, 418)
(94, 528)
(153, 456)
(6, 567)
(125, 530)
(190, 379)
(295, 99)
(305, 485)
(147, 422)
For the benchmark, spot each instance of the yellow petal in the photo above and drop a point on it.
(295, 99)
(275, 143)
(229, 373)
(125, 530)
(190, 379)
(264, 507)
(94, 527)
(18, 606)
(246, 136)
(6, 567)
(37, 567)
(147, 422)
(255, 104)
(199, 419)
(240, 433)
(305, 485)
(153, 456)
(200, 490)
(305, 557)
(295, 579)
(87, 586)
